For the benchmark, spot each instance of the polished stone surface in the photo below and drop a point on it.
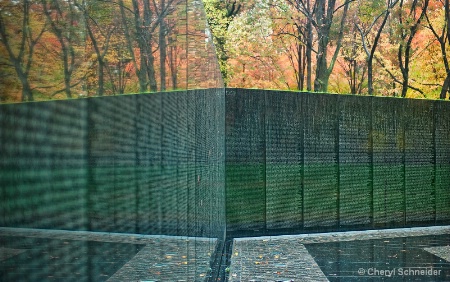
(442, 252)
(53, 255)
(273, 261)
(408, 254)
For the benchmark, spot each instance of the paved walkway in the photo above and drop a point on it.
(442, 252)
(344, 256)
(6, 253)
(267, 260)
(412, 254)
(174, 261)
(53, 255)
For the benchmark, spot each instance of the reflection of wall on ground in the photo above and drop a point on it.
(304, 161)
(95, 256)
(146, 164)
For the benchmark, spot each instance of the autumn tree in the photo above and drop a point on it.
(162, 40)
(371, 23)
(94, 14)
(326, 16)
(351, 63)
(20, 40)
(410, 16)
(304, 32)
(106, 52)
(175, 49)
(294, 25)
(163, 10)
(219, 15)
(255, 61)
(119, 57)
(141, 29)
(293, 36)
(149, 27)
(63, 19)
(442, 35)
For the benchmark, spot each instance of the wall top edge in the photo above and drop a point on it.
(231, 90)
(112, 96)
(256, 90)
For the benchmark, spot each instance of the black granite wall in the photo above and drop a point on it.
(146, 164)
(302, 162)
(159, 163)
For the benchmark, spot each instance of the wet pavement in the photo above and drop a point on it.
(49, 255)
(410, 254)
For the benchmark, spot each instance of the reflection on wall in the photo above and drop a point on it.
(143, 164)
(150, 163)
(75, 49)
(134, 164)
(315, 162)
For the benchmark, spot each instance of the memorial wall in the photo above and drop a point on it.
(187, 162)
(304, 162)
(141, 164)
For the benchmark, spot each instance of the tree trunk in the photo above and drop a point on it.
(445, 88)
(68, 70)
(151, 72)
(405, 47)
(101, 78)
(144, 37)
(304, 66)
(369, 55)
(142, 74)
(139, 71)
(321, 80)
(309, 46)
(67, 79)
(22, 65)
(27, 93)
(64, 36)
(405, 82)
(404, 65)
(301, 66)
(372, 51)
(100, 89)
(162, 51)
(324, 20)
(140, 36)
(173, 64)
(370, 76)
(323, 27)
(150, 59)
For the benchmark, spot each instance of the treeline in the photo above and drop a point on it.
(380, 47)
(53, 49)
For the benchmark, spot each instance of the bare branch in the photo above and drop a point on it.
(395, 79)
(343, 5)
